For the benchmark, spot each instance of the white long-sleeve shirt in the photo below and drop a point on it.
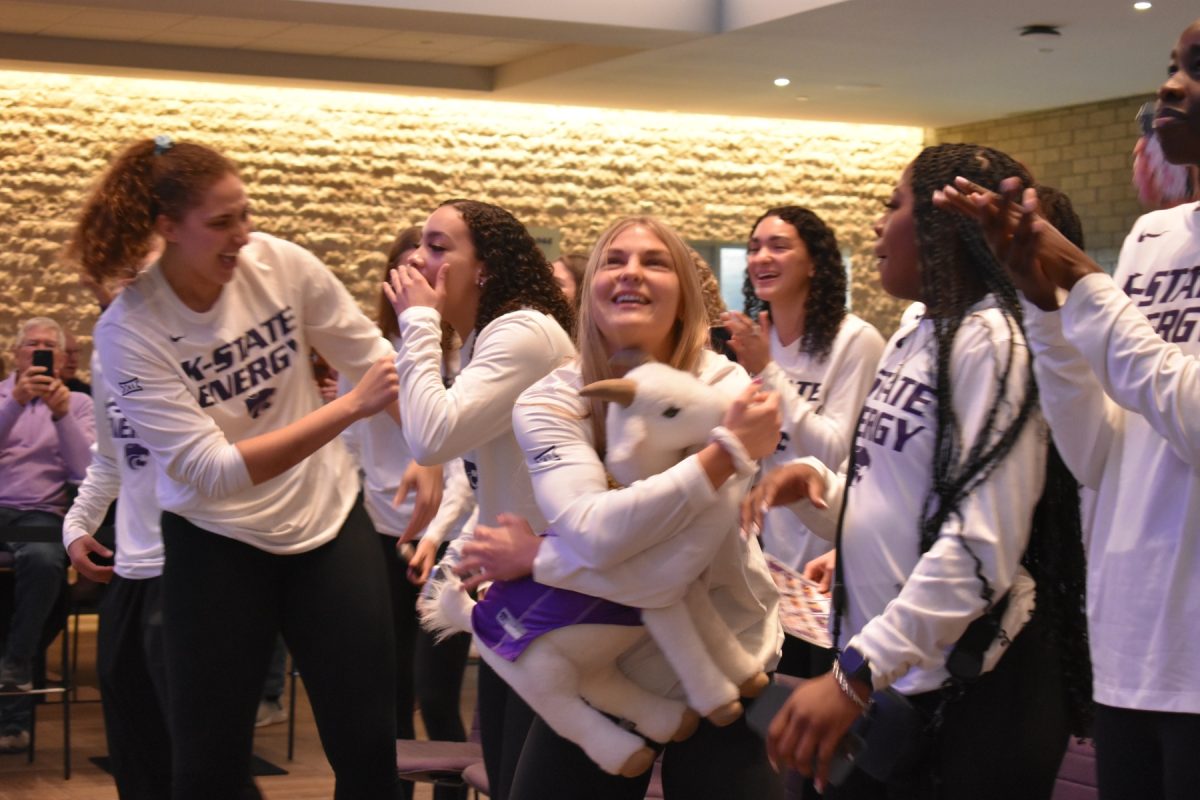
(473, 418)
(906, 610)
(820, 400)
(121, 470)
(193, 384)
(1119, 370)
(644, 544)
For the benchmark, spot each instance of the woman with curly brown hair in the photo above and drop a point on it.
(478, 269)
(817, 355)
(203, 354)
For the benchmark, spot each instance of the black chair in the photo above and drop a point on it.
(55, 624)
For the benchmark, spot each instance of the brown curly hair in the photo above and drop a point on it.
(825, 307)
(114, 231)
(516, 272)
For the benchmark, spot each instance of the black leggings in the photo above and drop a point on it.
(133, 687)
(504, 720)
(1147, 755)
(429, 673)
(1004, 739)
(714, 763)
(224, 601)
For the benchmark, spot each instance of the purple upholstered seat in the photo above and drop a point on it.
(1077, 775)
(434, 762)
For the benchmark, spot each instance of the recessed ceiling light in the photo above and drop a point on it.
(782, 81)
(1143, 6)
(801, 98)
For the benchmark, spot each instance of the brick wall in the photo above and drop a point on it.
(341, 172)
(1086, 151)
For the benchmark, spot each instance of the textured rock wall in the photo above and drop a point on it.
(340, 172)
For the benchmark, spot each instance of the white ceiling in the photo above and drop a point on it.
(915, 62)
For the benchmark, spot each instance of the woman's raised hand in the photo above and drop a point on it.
(406, 287)
(782, 486)
(755, 419)
(750, 340)
(1038, 257)
(378, 389)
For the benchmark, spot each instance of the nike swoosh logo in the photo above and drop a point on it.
(176, 338)
(1142, 236)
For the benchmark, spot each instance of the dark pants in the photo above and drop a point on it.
(1147, 755)
(133, 687)
(39, 574)
(504, 721)
(224, 601)
(1004, 739)
(427, 673)
(714, 763)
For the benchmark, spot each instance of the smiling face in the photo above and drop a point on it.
(37, 337)
(200, 252)
(446, 241)
(896, 245)
(778, 261)
(635, 293)
(1177, 113)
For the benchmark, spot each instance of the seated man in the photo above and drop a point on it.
(70, 367)
(46, 432)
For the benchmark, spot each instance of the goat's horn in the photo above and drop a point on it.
(614, 390)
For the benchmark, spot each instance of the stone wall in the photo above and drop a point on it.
(339, 172)
(1085, 151)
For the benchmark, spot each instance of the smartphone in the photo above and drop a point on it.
(763, 709)
(44, 358)
(718, 340)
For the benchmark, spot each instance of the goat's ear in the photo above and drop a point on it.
(614, 390)
(627, 358)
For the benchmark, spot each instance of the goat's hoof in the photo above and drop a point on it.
(726, 714)
(687, 725)
(754, 685)
(638, 763)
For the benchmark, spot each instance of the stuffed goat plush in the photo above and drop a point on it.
(566, 669)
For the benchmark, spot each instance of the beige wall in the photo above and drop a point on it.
(1085, 151)
(340, 172)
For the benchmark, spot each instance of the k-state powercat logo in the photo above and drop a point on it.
(136, 456)
(259, 402)
(862, 463)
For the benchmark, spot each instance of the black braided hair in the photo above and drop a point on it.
(1055, 555)
(516, 273)
(825, 307)
(958, 269)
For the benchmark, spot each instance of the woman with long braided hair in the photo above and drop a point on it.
(945, 550)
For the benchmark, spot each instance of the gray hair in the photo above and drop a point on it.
(41, 322)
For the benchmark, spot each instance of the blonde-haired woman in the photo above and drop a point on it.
(634, 545)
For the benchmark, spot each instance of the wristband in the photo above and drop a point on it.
(743, 464)
(847, 689)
